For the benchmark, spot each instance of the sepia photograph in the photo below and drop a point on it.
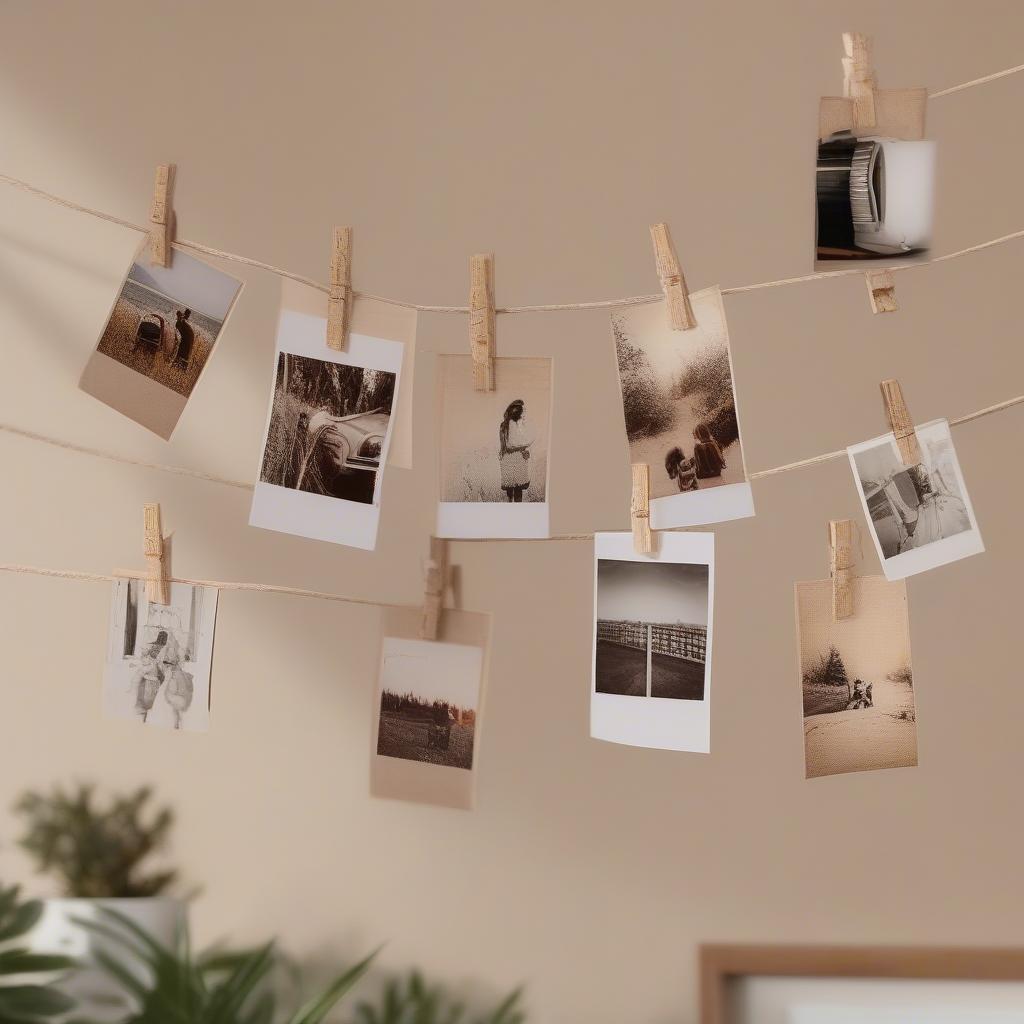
(679, 406)
(651, 629)
(494, 449)
(328, 434)
(856, 678)
(429, 698)
(159, 338)
(652, 651)
(159, 656)
(327, 427)
(920, 515)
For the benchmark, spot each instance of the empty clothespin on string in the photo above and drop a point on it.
(339, 297)
(673, 284)
(158, 587)
(482, 320)
(840, 559)
(900, 422)
(640, 509)
(435, 583)
(859, 79)
(161, 217)
(881, 291)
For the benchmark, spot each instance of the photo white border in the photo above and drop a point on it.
(939, 552)
(319, 516)
(482, 520)
(660, 722)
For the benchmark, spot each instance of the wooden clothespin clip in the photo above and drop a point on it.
(859, 79)
(840, 552)
(436, 582)
(161, 218)
(481, 320)
(673, 284)
(640, 509)
(339, 299)
(901, 423)
(882, 291)
(158, 586)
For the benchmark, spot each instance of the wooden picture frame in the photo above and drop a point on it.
(721, 965)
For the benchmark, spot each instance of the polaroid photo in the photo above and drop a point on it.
(494, 450)
(159, 656)
(374, 319)
(427, 713)
(875, 188)
(159, 338)
(652, 642)
(328, 434)
(856, 677)
(920, 516)
(679, 404)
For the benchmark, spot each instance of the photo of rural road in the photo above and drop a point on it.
(678, 396)
(856, 680)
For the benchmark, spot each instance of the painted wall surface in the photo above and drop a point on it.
(552, 135)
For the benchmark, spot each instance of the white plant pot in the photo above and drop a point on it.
(96, 994)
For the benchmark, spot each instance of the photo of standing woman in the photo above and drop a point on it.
(494, 449)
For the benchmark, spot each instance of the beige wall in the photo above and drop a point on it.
(552, 134)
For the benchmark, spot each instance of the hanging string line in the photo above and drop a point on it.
(635, 300)
(265, 588)
(55, 442)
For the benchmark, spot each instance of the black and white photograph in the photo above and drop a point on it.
(327, 434)
(158, 339)
(679, 407)
(429, 695)
(159, 656)
(427, 714)
(494, 449)
(373, 318)
(875, 189)
(920, 516)
(652, 651)
(857, 681)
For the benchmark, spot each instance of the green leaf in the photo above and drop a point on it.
(314, 1011)
(21, 920)
(32, 1000)
(21, 961)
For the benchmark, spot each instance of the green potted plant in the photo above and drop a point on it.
(26, 995)
(97, 850)
(179, 986)
(410, 1000)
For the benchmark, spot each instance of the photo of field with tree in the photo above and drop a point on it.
(857, 684)
(429, 697)
(328, 427)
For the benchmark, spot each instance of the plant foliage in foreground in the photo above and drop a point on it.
(412, 1001)
(24, 997)
(184, 987)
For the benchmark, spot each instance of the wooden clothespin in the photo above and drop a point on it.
(339, 299)
(673, 284)
(161, 218)
(901, 423)
(481, 320)
(840, 558)
(640, 509)
(859, 79)
(882, 291)
(436, 582)
(158, 586)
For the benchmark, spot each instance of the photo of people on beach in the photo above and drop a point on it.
(920, 515)
(679, 406)
(159, 656)
(494, 449)
(158, 339)
(856, 679)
